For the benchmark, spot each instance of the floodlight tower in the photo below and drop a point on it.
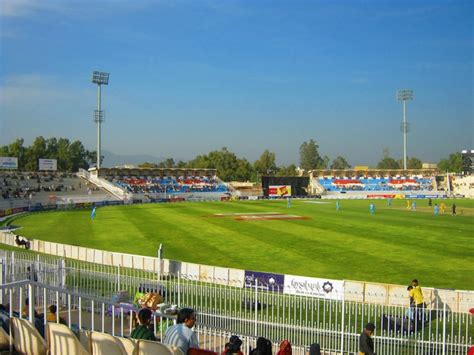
(99, 78)
(404, 95)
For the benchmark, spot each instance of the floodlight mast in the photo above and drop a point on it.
(99, 78)
(404, 95)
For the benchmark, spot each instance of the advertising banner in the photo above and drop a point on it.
(279, 190)
(35, 208)
(381, 196)
(8, 163)
(265, 281)
(313, 287)
(425, 196)
(48, 164)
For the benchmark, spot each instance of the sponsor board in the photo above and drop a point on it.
(35, 208)
(48, 164)
(265, 281)
(313, 287)
(392, 196)
(279, 190)
(19, 209)
(8, 163)
(425, 196)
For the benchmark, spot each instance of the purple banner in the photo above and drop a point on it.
(265, 280)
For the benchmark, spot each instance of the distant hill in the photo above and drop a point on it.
(112, 159)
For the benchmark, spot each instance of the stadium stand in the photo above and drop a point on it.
(375, 180)
(163, 183)
(246, 188)
(388, 183)
(463, 186)
(29, 188)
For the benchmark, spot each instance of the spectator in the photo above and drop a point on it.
(181, 334)
(418, 303)
(52, 315)
(25, 312)
(264, 347)
(285, 348)
(143, 331)
(366, 344)
(233, 346)
(315, 349)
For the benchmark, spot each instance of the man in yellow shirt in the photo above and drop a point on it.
(442, 207)
(418, 303)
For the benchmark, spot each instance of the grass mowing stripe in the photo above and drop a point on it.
(394, 245)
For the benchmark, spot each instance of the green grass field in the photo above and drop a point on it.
(393, 246)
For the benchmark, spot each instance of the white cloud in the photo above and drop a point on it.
(20, 8)
(29, 88)
(24, 8)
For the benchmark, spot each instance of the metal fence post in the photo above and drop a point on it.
(31, 302)
(342, 323)
(2, 280)
(256, 307)
(118, 278)
(444, 328)
(13, 265)
(179, 289)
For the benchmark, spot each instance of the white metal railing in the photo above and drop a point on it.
(106, 185)
(258, 311)
(83, 312)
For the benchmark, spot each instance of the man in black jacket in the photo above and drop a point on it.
(366, 344)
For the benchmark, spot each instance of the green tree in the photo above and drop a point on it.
(52, 148)
(229, 167)
(181, 164)
(35, 152)
(388, 163)
(414, 163)
(63, 157)
(244, 170)
(310, 158)
(16, 149)
(340, 163)
(77, 156)
(147, 165)
(289, 170)
(452, 164)
(4, 151)
(266, 163)
(168, 163)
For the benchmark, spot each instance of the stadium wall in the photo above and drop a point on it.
(357, 291)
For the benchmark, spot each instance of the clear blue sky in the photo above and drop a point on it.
(188, 77)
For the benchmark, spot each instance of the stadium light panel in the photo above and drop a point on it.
(100, 78)
(404, 95)
(98, 116)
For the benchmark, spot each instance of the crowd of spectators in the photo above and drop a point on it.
(170, 185)
(378, 183)
(18, 185)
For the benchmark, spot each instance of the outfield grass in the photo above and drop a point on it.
(394, 246)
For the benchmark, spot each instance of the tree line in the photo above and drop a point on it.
(71, 156)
